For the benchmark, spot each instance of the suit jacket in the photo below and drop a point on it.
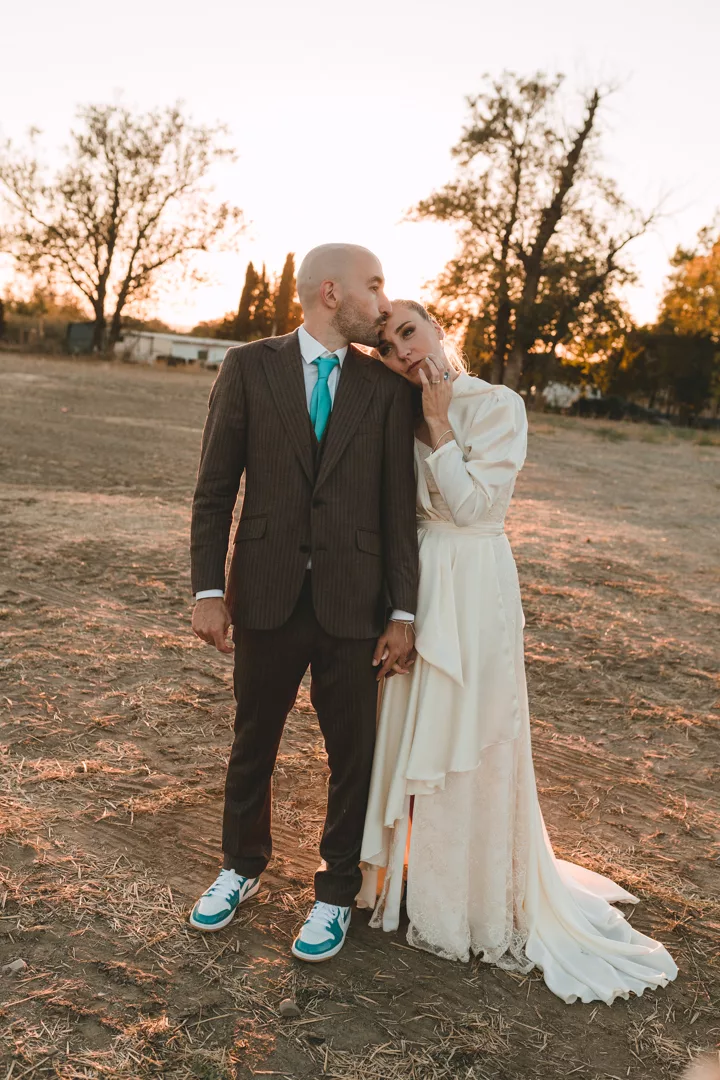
(349, 504)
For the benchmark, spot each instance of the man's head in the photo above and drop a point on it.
(341, 286)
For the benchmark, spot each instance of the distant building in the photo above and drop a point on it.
(147, 346)
(559, 395)
(79, 337)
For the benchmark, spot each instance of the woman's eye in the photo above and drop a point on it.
(408, 331)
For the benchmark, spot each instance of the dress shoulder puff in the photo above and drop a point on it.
(499, 421)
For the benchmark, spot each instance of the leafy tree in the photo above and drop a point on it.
(255, 313)
(218, 328)
(130, 203)
(40, 316)
(288, 313)
(691, 304)
(266, 307)
(45, 301)
(675, 372)
(542, 233)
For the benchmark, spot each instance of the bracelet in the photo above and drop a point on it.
(406, 623)
(448, 432)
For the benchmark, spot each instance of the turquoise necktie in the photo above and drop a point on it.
(321, 402)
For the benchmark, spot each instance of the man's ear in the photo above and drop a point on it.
(329, 293)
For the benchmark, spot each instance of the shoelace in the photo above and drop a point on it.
(326, 918)
(225, 884)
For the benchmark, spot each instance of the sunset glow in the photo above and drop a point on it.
(343, 118)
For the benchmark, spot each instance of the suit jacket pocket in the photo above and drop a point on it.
(370, 542)
(251, 528)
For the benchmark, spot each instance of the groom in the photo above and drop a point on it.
(325, 547)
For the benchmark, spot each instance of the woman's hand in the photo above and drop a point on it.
(437, 392)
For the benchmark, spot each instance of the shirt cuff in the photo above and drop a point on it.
(401, 616)
(442, 449)
(205, 594)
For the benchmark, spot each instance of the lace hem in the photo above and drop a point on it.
(508, 956)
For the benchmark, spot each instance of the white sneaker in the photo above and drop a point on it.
(323, 933)
(217, 907)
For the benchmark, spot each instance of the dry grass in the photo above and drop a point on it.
(114, 731)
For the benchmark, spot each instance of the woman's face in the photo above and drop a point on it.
(405, 340)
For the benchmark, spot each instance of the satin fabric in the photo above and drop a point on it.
(481, 874)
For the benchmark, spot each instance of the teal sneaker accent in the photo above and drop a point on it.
(323, 933)
(217, 906)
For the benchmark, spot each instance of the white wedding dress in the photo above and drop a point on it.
(482, 878)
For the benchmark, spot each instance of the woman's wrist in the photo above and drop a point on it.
(437, 425)
(440, 436)
(440, 431)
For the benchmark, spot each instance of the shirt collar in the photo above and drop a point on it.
(311, 349)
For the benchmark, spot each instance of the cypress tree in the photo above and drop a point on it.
(243, 322)
(262, 316)
(285, 296)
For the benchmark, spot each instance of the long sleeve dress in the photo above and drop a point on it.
(482, 878)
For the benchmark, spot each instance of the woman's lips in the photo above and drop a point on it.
(414, 366)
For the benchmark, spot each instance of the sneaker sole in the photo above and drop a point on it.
(205, 929)
(316, 959)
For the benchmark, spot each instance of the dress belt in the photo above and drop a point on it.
(483, 528)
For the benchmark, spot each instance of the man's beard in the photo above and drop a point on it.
(355, 325)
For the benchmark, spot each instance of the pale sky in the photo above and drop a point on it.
(344, 114)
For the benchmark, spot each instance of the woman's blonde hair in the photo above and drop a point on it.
(453, 353)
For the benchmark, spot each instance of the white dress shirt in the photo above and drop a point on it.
(311, 349)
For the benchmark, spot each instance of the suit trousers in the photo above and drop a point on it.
(269, 666)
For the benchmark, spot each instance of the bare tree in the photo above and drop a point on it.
(131, 202)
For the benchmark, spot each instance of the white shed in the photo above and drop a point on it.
(147, 346)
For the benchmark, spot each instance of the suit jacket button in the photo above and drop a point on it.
(305, 549)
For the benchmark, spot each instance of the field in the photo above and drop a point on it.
(115, 723)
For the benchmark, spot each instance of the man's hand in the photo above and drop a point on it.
(394, 649)
(211, 622)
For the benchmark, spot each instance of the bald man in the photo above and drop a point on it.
(323, 572)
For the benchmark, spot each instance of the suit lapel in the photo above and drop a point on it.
(283, 368)
(355, 388)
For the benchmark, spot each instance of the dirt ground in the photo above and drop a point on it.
(116, 722)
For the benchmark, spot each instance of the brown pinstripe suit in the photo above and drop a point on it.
(349, 503)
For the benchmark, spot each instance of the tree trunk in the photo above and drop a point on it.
(497, 373)
(515, 366)
(502, 321)
(115, 327)
(99, 327)
(116, 324)
(525, 329)
(502, 334)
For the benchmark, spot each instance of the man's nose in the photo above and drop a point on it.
(385, 305)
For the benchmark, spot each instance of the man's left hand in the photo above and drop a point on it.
(395, 649)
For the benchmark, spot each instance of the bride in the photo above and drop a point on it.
(453, 788)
